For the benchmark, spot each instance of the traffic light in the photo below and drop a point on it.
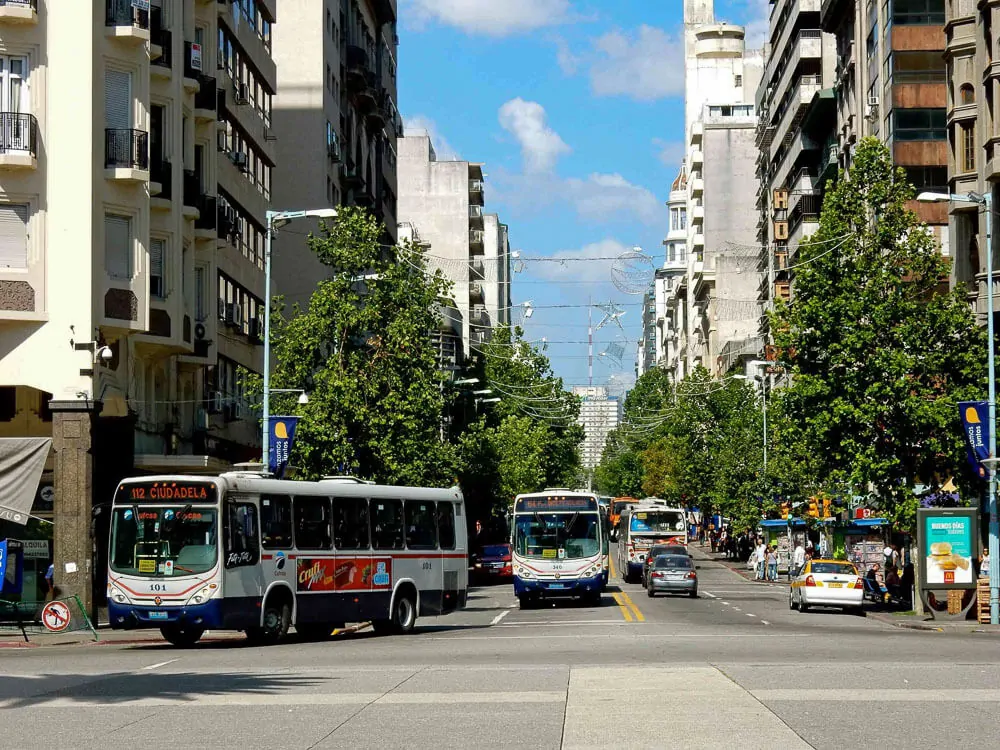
(826, 507)
(786, 511)
(813, 511)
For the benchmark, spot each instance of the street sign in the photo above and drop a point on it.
(56, 617)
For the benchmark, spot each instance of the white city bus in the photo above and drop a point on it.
(559, 546)
(242, 551)
(649, 522)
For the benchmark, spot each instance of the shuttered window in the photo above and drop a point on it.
(13, 235)
(118, 246)
(117, 99)
(157, 255)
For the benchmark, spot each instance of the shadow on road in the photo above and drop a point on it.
(129, 686)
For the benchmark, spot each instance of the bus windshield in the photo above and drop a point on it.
(562, 536)
(157, 542)
(657, 521)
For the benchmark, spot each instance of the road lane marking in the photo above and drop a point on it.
(765, 622)
(737, 609)
(611, 566)
(639, 617)
(621, 605)
(160, 664)
(499, 617)
(555, 623)
(636, 633)
(750, 615)
(710, 596)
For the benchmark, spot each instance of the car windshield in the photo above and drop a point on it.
(673, 561)
(657, 520)
(164, 541)
(563, 536)
(844, 569)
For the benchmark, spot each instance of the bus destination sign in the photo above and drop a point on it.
(554, 503)
(167, 492)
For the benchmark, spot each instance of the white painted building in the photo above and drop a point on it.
(599, 415)
(443, 203)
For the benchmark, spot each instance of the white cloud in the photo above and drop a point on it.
(757, 23)
(600, 197)
(492, 17)
(645, 66)
(670, 153)
(599, 257)
(569, 62)
(541, 146)
(422, 125)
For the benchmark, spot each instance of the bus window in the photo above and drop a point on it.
(276, 521)
(350, 523)
(312, 523)
(242, 547)
(387, 524)
(421, 531)
(446, 525)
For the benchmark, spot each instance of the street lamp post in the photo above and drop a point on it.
(275, 220)
(986, 201)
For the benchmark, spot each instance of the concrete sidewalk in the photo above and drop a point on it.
(105, 636)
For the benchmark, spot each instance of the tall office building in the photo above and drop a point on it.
(135, 171)
(599, 415)
(442, 203)
(335, 121)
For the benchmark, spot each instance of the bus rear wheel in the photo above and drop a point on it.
(182, 637)
(402, 618)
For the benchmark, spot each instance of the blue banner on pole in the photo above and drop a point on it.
(976, 428)
(282, 435)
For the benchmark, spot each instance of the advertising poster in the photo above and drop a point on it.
(344, 574)
(948, 541)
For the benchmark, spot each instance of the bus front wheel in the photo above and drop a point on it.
(181, 637)
(277, 617)
(402, 618)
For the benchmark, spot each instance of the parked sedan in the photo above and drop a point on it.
(827, 583)
(493, 563)
(661, 549)
(673, 574)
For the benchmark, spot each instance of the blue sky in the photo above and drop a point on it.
(576, 109)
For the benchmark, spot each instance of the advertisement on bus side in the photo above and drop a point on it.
(343, 574)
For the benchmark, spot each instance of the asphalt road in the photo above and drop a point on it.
(734, 668)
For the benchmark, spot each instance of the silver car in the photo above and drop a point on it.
(674, 574)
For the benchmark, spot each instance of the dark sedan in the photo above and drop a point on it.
(661, 549)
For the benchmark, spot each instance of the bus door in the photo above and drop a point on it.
(427, 565)
(354, 568)
(243, 578)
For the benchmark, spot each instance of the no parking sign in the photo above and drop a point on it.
(56, 617)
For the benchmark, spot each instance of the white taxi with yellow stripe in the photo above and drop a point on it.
(827, 583)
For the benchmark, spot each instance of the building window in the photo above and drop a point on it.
(919, 125)
(967, 94)
(14, 84)
(678, 219)
(118, 246)
(157, 257)
(917, 12)
(928, 179)
(13, 235)
(968, 147)
(117, 100)
(739, 81)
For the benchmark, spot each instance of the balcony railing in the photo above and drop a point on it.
(126, 148)
(18, 132)
(163, 39)
(124, 13)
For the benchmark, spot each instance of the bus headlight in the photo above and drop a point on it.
(203, 596)
(525, 573)
(117, 595)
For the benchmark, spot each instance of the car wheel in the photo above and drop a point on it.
(791, 601)
(694, 594)
(803, 607)
(649, 592)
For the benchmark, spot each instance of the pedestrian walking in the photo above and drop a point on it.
(887, 556)
(984, 564)
(772, 564)
(760, 561)
(50, 586)
(798, 561)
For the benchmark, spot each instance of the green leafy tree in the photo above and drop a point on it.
(363, 352)
(877, 350)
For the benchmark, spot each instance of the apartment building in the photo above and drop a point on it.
(336, 122)
(671, 282)
(721, 82)
(443, 203)
(891, 83)
(646, 352)
(134, 176)
(796, 140)
(972, 142)
(600, 413)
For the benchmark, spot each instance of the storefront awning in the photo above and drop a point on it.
(22, 461)
(869, 522)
